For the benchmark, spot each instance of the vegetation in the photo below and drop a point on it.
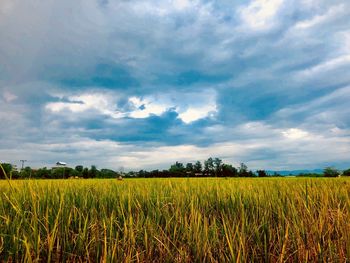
(176, 220)
(346, 172)
(213, 167)
(331, 172)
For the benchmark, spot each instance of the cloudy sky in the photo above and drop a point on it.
(144, 83)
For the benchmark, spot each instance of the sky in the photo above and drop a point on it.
(140, 84)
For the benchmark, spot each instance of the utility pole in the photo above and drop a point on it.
(23, 161)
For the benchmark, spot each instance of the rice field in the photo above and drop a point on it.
(175, 220)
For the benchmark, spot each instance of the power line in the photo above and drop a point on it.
(22, 161)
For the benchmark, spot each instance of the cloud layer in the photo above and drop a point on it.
(143, 83)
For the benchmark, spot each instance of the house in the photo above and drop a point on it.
(61, 164)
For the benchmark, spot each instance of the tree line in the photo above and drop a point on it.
(57, 172)
(212, 167)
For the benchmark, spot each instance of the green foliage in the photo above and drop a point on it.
(330, 172)
(197, 167)
(244, 172)
(346, 172)
(177, 169)
(261, 173)
(7, 168)
(229, 171)
(107, 173)
(79, 168)
(209, 167)
(26, 172)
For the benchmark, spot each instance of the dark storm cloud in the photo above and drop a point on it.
(266, 77)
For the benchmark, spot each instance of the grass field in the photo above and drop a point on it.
(176, 220)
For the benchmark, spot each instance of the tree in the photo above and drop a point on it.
(243, 170)
(93, 171)
(85, 172)
(26, 172)
(209, 167)
(330, 172)
(58, 173)
(6, 170)
(79, 168)
(189, 167)
(261, 173)
(197, 167)
(107, 173)
(229, 171)
(177, 169)
(74, 173)
(346, 172)
(217, 164)
(43, 173)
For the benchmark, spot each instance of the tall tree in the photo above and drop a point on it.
(93, 171)
(197, 167)
(218, 166)
(209, 167)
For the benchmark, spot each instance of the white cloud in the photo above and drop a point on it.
(8, 96)
(294, 149)
(102, 103)
(295, 134)
(181, 4)
(189, 110)
(190, 106)
(148, 106)
(197, 113)
(325, 66)
(260, 14)
(332, 13)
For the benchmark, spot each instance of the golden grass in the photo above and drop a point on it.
(176, 220)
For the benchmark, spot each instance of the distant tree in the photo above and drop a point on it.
(217, 166)
(79, 168)
(261, 173)
(209, 167)
(197, 167)
(58, 173)
(85, 172)
(93, 171)
(155, 173)
(7, 168)
(177, 169)
(73, 173)
(43, 173)
(189, 167)
(330, 172)
(243, 170)
(15, 174)
(189, 170)
(141, 173)
(26, 172)
(346, 172)
(229, 171)
(107, 173)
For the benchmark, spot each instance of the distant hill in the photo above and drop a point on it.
(296, 172)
